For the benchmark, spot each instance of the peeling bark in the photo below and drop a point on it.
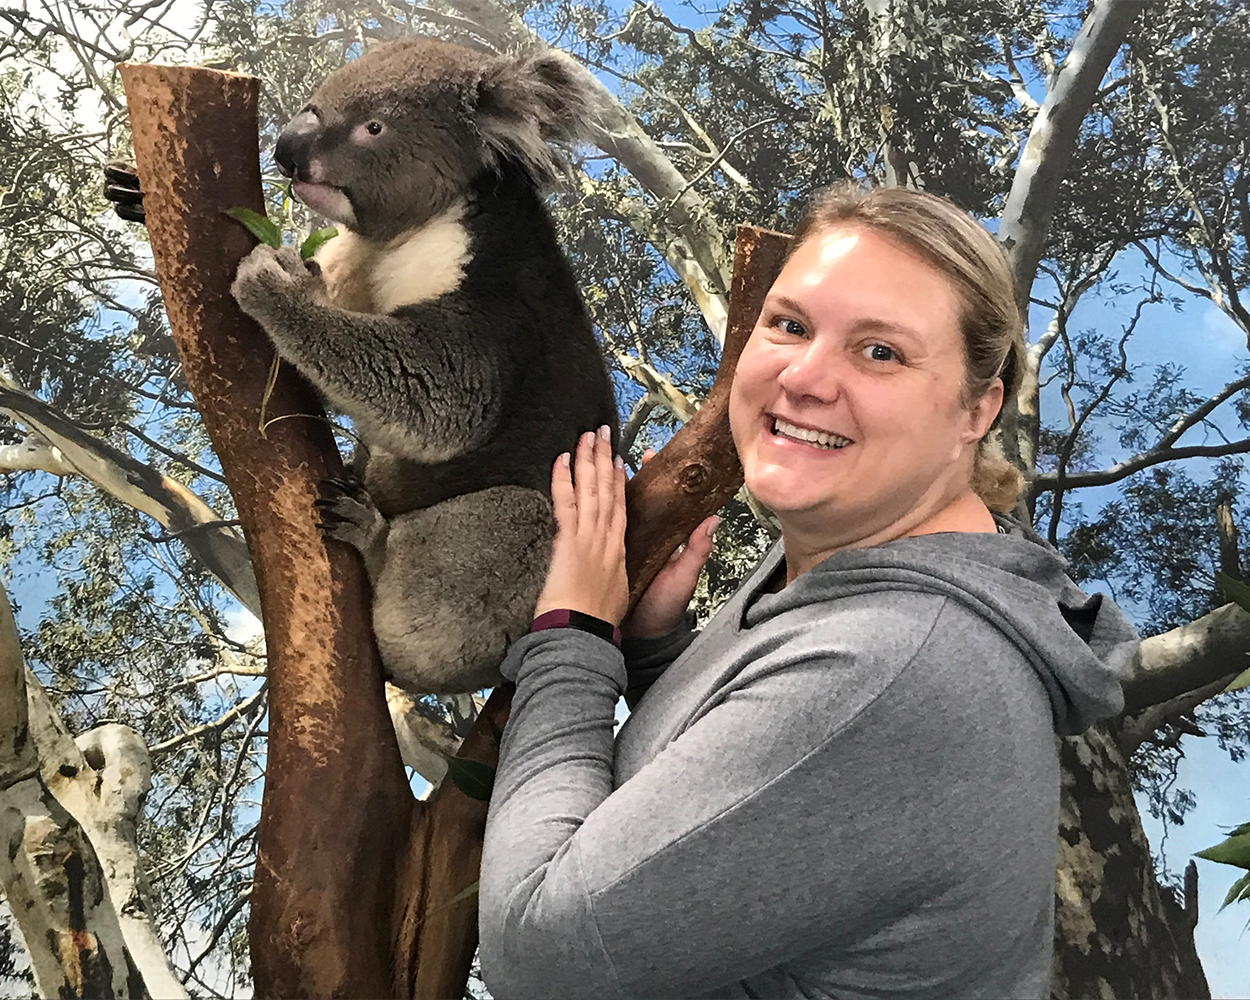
(336, 807)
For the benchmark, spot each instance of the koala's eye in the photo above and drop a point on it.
(373, 128)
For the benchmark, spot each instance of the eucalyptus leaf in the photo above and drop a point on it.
(472, 777)
(316, 240)
(1234, 590)
(1242, 680)
(260, 226)
(1233, 851)
(465, 893)
(1240, 890)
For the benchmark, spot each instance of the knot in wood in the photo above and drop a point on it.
(693, 477)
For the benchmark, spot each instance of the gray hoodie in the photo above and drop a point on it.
(848, 788)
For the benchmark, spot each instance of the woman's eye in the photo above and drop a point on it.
(880, 352)
(791, 326)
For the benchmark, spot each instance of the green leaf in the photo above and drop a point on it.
(1233, 851)
(258, 225)
(472, 777)
(1234, 590)
(464, 893)
(1242, 680)
(1239, 891)
(315, 241)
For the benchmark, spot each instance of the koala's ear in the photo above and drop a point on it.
(524, 103)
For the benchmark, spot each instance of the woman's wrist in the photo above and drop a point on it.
(570, 618)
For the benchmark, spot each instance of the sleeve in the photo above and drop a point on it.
(646, 659)
(745, 814)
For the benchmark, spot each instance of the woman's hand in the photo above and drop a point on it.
(587, 571)
(665, 601)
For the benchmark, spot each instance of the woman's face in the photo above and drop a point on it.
(846, 407)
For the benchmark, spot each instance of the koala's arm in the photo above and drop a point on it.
(427, 392)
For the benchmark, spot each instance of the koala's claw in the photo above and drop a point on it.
(121, 187)
(347, 514)
(344, 485)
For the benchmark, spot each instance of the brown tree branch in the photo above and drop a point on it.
(1142, 460)
(336, 805)
(698, 470)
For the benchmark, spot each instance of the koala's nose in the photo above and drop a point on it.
(295, 141)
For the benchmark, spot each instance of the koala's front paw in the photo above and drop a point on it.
(269, 280)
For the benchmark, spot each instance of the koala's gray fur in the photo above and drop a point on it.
(446, 323)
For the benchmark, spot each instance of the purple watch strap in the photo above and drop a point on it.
(567, 618)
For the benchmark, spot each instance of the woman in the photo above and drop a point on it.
(847, 784)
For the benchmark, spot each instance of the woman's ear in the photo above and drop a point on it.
(984, 412)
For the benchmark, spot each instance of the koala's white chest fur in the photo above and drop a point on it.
(414, 267)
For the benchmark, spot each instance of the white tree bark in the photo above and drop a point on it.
(71, 872)
(1198, 655)
(1025, 222)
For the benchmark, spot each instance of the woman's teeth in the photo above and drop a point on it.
(818, 438)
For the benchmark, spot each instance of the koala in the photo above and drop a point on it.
(445, 321)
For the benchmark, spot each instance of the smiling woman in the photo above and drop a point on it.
(847, 784)
(863, 398)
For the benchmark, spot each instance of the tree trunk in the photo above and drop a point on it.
(50, 872)
(1118, 933)
(336, 806)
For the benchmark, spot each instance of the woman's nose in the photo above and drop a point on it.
(814, 372)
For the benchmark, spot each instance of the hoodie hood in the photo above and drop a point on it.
(1079, 645)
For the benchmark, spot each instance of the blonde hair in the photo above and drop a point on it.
(968, 255)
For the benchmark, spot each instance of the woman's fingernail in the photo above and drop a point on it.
(605, 433)
(564, 459)
(711, 528)
(586, 439)
(619, 463)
